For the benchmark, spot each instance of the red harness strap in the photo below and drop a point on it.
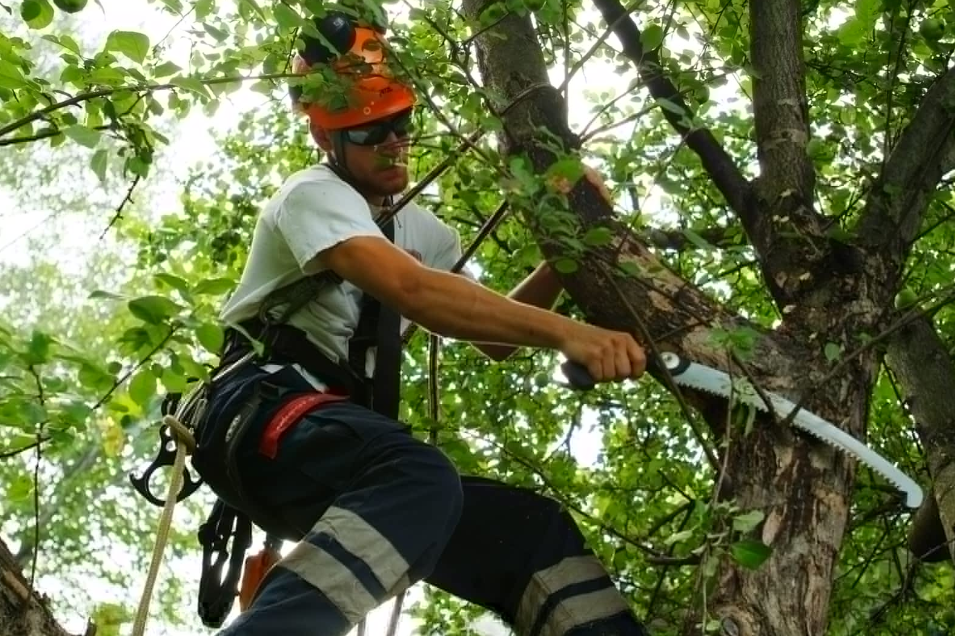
(288, 415)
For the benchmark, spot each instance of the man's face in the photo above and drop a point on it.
(376, 155)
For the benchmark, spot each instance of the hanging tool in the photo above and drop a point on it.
(709, 380)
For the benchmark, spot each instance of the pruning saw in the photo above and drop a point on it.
(701, 377)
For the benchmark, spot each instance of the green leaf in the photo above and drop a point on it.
(94, 378)
(255, 7)
(176, 282)
(565, 265)
(214, 286)
(696, 239)
(833, 351)
(652, 37)
(102, 293)
(190, 83)
(38, 14)
(166, 69)
(286, 16)
(747, 521)
(153, 309)
(142, 386)
(597, 236)
(750, 553)
(671, 106)
(38, 349)
(211, 337)
(99, 163)
(132, 44)
(683, 535)
(11, 76)
(83, 135)
(19, 488)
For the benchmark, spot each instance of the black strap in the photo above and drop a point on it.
(380, 326)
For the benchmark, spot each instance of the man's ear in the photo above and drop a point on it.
(320, 135)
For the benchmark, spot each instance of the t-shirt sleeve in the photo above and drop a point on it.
(316, 215)
(446, 247)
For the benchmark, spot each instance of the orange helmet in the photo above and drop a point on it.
(367, 91)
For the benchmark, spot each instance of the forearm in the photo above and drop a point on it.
(456, 307)
(540, 288)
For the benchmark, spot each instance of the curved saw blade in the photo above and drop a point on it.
(703, 378)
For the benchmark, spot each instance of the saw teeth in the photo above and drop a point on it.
(751, 398)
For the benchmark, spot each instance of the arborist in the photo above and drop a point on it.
(301, 434)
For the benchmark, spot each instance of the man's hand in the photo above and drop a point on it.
(608, 355)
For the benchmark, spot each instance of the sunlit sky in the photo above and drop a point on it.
(192, 142)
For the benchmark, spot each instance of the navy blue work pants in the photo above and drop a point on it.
(374, 510)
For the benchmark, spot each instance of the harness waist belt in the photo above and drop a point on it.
(290, 414)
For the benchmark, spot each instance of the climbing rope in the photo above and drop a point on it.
(185, 444)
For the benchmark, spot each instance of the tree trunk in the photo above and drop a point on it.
(22, 611)
(801, 486)
(927, 377)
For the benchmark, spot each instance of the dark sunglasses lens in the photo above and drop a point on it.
(378, 133)
(370, 136)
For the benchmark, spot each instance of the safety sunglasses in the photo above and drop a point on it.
(376, 133)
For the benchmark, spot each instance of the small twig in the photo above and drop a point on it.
(42, 135)
(118, 383)
(41, 397)
(122, 204)
(690, 559)
(17, 451)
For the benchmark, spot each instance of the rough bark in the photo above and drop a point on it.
(800, 251)
(802, 487)
(22, 611)
(926, 376)
(900, 195)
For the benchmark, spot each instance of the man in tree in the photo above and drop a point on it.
(303, 442)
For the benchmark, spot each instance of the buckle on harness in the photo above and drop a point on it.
(217, 595)
(187, 413)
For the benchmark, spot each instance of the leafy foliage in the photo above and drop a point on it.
(87, 351)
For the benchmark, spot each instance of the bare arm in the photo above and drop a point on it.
(540, 289)
(444, 303)
(456, 307)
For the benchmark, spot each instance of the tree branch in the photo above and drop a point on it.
(893, 212)
(136, 88)
(720, 166)
(780, 108)
(921, 363)
(785, 188)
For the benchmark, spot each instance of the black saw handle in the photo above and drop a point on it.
(580, 379)
(578, 376)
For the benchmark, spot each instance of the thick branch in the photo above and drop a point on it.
(780, 107)
(718, 164)
(921, 362)
(926, 151)
(22, 611)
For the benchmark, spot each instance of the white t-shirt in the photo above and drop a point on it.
(313, 211)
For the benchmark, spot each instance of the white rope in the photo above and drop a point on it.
(185, 443)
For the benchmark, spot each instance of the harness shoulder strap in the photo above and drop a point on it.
(380, 326)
